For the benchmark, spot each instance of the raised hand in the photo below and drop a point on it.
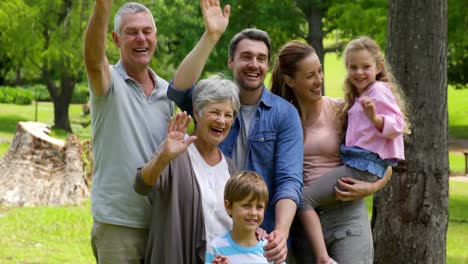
(216, 21)
(176, 141)
(368, 106)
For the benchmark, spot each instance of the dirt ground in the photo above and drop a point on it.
(458, 145)
(459, 178)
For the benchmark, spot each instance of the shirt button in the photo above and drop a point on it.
(348, 232)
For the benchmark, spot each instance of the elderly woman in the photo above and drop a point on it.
(185, 181)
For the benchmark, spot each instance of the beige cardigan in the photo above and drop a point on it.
(177, 226)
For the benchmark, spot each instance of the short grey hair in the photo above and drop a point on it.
(215, 89)
(129, 8)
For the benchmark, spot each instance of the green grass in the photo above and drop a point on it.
(11, 114)
(46, 234)
(457, 163)
(458, 112)
(334, 75)
(457, 233)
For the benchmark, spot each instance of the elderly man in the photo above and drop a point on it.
(130, 112)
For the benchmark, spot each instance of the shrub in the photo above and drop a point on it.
(12, 95)
(40, 93)
(80, 93)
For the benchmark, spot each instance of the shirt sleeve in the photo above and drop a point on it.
(139, 185)
(387, 106)
(289, 157)
(181, 97)
(210, 253)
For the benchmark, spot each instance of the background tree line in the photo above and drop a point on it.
(42, 40)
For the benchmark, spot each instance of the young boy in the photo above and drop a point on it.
(245, 200)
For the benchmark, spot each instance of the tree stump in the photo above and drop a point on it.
(40, 170)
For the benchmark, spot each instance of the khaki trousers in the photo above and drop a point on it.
(118, 244)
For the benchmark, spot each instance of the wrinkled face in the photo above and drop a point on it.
(250, 64)
(307, 81)
(362, 69)
(137, 40)
(214, 125)
(247, 214)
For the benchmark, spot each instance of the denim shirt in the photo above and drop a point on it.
(275, 149)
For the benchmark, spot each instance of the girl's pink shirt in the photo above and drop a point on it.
(361, 132)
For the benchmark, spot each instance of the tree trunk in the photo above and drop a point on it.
(41, 170)
(411, 213)
(61, 116)
(314, 15)
(63, 101)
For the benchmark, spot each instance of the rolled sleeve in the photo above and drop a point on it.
(139, 185)
(181, 97)
(289, 158)
(393, 126)
(388, 108)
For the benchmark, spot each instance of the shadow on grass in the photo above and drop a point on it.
(457, 208)
(451, 259)
(458, 132)
(8, 123)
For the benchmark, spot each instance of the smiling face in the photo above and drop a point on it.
(136, 40)
(249, 64)
(214, 123)
(247, 214)
(362, 69)
(307, 81)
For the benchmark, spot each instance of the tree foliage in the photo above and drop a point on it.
(42, 40)
(458, 43)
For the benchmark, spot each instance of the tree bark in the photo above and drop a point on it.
(410, 215)
(314, 14)
(40, 170)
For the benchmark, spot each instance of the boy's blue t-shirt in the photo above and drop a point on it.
(225, 246)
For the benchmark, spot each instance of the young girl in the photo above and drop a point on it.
(376, 118)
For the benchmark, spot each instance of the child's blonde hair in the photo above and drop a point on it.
(385, 75)
(244, 184)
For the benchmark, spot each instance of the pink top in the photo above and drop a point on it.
(322, 144)
(361, 132)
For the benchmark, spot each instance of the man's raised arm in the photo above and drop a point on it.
(97, 66)
(216, 22)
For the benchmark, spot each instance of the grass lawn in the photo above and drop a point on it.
(46, 234)
(61, 234)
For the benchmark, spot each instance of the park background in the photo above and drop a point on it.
(42, 79)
